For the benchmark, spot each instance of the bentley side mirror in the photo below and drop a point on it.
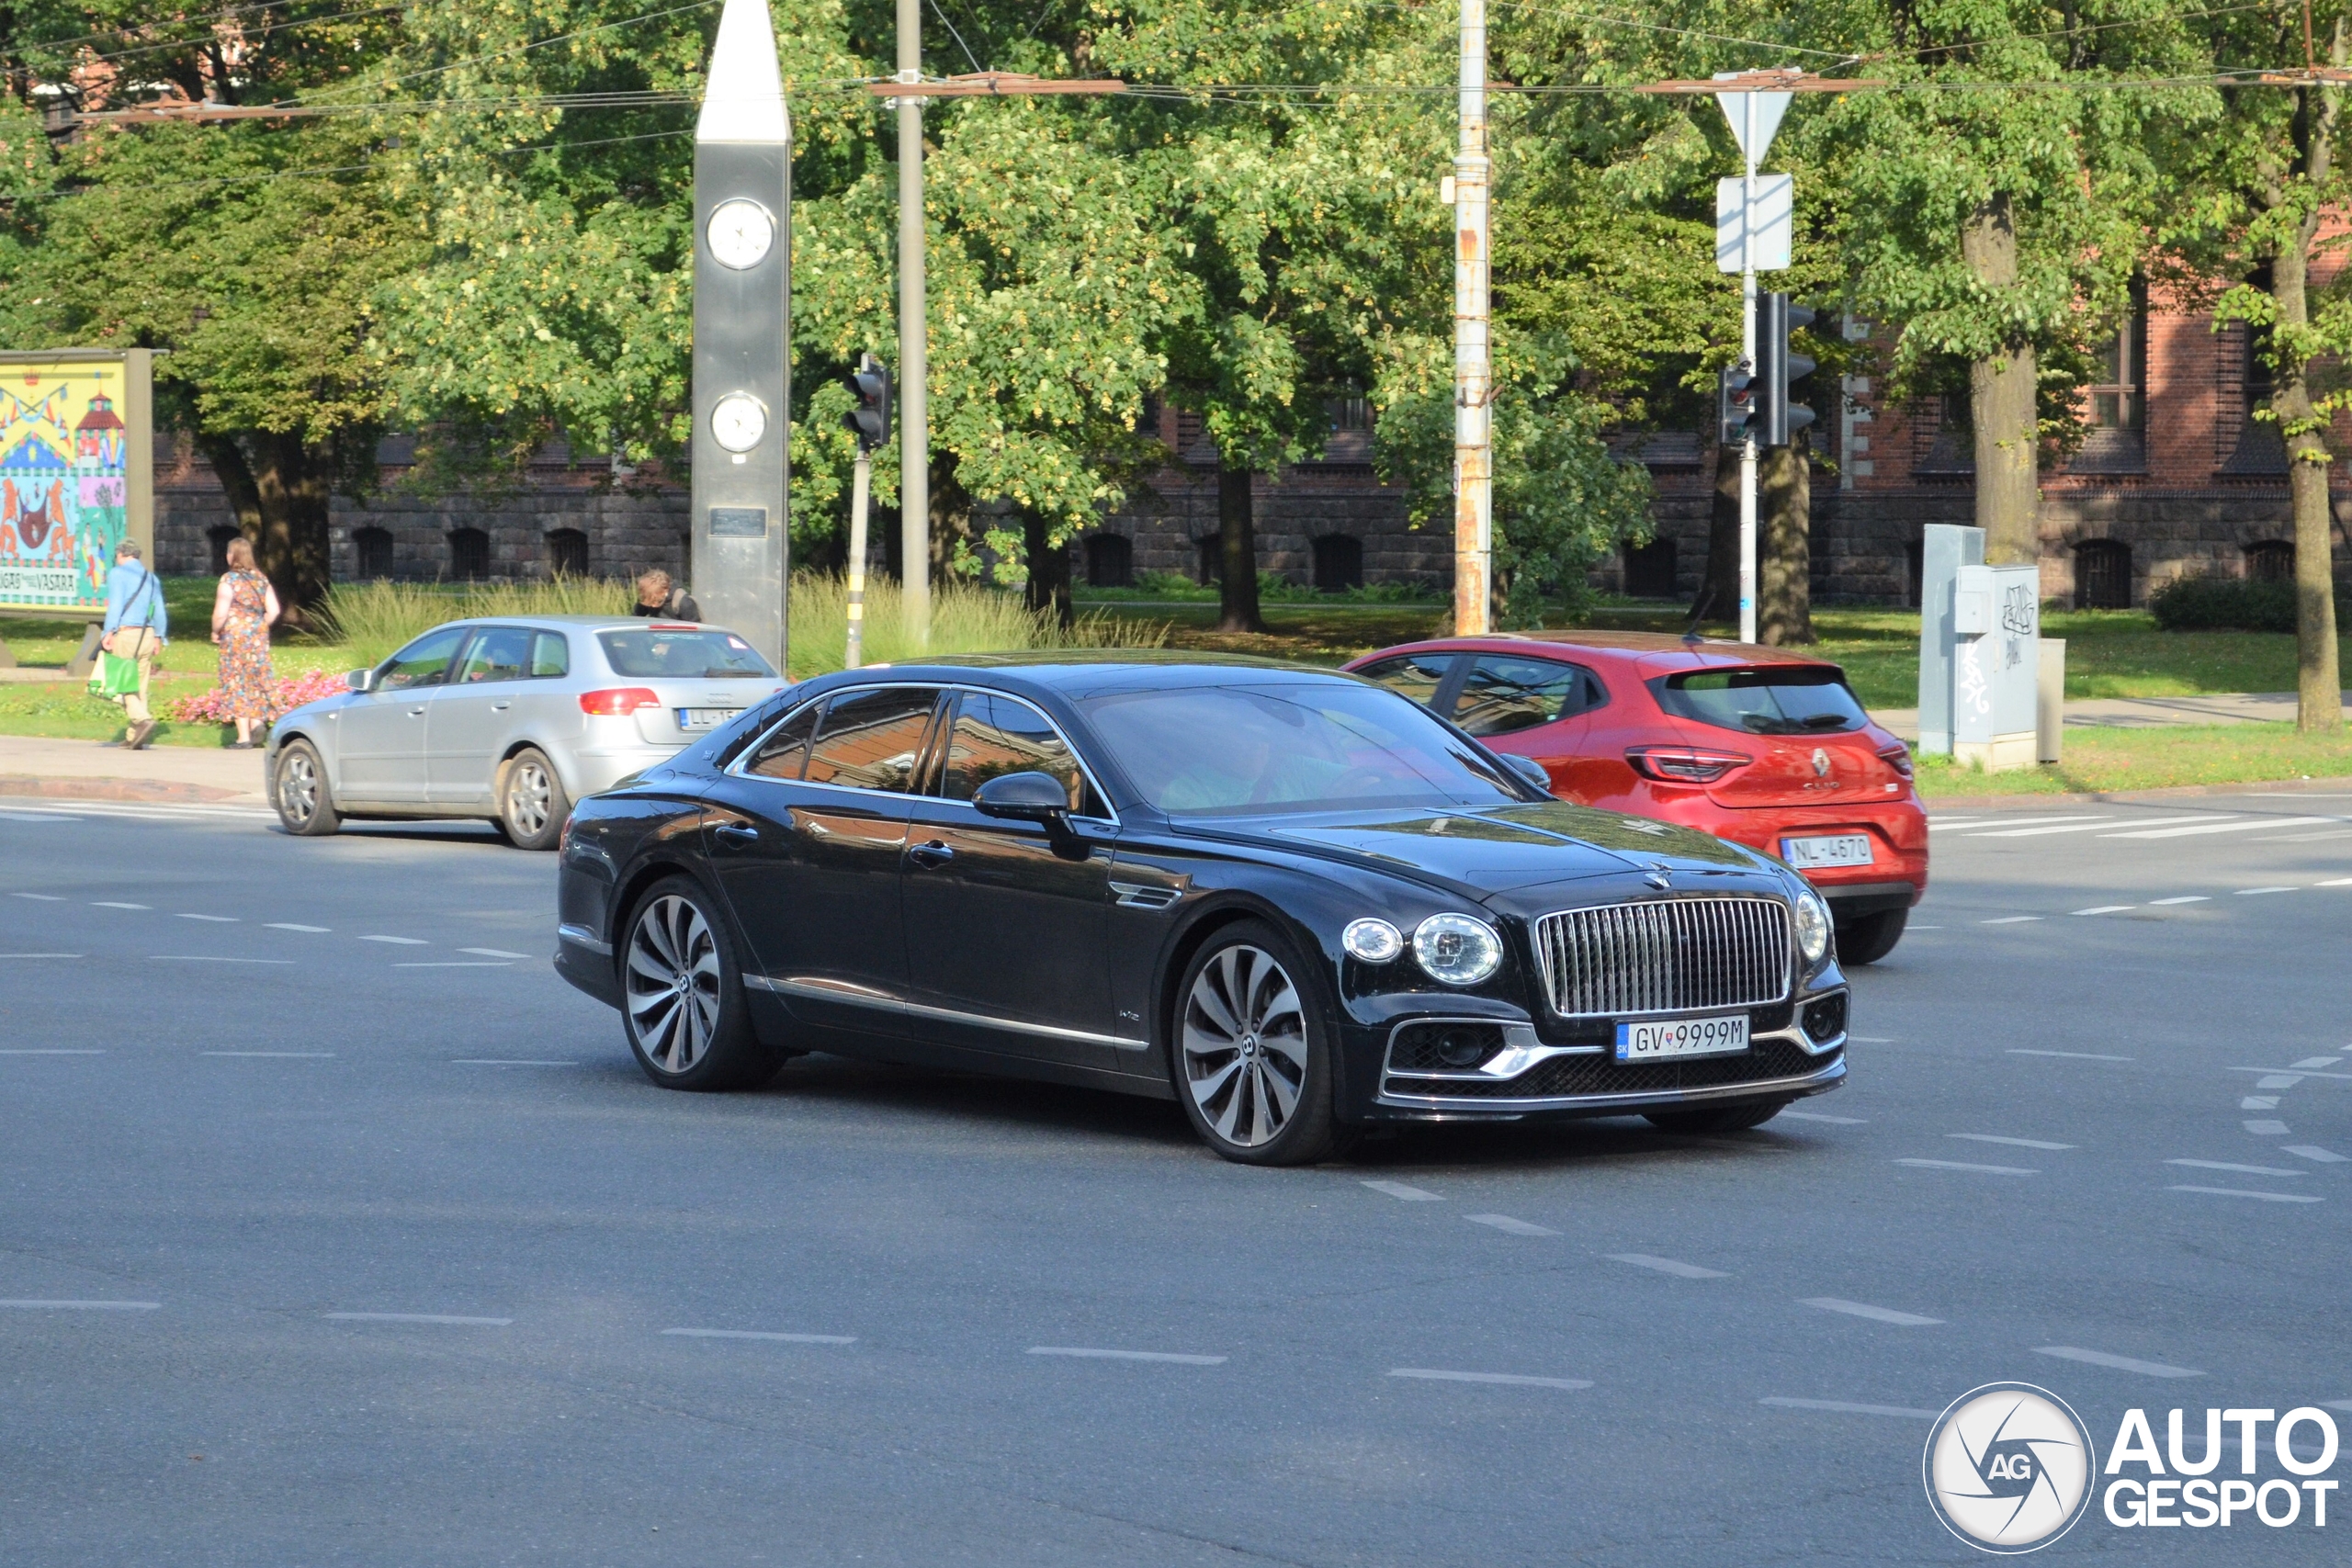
(361, 680)
(1023, 798)
(1529, 770)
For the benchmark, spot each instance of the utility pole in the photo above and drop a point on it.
(914, 345)
(1474, 446)
(1751, 151)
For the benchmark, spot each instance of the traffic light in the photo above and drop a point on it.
(1776, 367)
(1735, 403)
(870, 420)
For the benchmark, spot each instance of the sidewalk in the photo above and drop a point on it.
(33, 766)
(2145, 713)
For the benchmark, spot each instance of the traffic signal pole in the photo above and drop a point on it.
(1750, 142)
(861, 486)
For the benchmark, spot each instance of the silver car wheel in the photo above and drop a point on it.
(297, 788)
(1245, 1045)
(673, 984)
(529, 795)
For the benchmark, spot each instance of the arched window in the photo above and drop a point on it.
(373, 545)
(2272, 561)
(2102, 575)
(1649, 569)
(1110, 560)
(567, 552)
(220, 537)
(1339, 562)
(1212, 548)
(468, 554)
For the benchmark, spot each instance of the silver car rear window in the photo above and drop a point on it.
(701, 654)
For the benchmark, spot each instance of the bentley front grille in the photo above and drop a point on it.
(1668, 956)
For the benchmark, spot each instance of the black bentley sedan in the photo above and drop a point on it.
(1294, 902)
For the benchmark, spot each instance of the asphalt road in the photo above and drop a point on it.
(335, 1229)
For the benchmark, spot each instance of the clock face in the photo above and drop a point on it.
(739, 422)
(740, 232)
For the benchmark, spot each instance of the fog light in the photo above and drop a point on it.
(1375, 942)
(1463, 1047)
(1457, 949)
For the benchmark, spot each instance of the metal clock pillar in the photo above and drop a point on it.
(742, 375)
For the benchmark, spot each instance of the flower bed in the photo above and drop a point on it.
(286, 695)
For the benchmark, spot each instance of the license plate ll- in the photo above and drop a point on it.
(705, 718)
(1838, 849)
(1683, 1037)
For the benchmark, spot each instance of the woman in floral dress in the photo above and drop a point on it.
(242, 612)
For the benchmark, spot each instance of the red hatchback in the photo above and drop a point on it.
(1763, 747)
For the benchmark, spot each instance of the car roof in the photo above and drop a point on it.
(579, 623)
(1078, 673)
(1658, 651)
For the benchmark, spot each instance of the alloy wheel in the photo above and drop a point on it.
(673, 984)
(1245, 1045)
(298, 788)
(529, 793)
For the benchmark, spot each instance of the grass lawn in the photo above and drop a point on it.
(2108, 761)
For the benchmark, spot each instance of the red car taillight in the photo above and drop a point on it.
(615, 701)
(1897, 757)
(1684, 764)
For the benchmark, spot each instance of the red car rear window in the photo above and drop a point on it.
(1795, 699)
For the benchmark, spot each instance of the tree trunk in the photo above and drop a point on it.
(280, 489)
(2319, 701)
(1719, 588)
(2001, 399)
(1238, 591)
(1048, 569)
(1784, 546)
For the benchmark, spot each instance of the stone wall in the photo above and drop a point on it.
(1168, 518)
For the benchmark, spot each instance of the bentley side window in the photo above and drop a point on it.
(873, 739)
(785, 752)
(994, 736)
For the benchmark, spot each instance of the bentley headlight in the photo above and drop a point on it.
(1457, 949)
(1375, 942)
(1813, 926)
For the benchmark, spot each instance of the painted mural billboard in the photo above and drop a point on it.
(76, 474)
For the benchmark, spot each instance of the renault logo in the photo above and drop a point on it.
(1820, 763)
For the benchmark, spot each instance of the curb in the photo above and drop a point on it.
(120, 789)
(2171, 792)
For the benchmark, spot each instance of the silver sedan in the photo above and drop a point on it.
(510, 720)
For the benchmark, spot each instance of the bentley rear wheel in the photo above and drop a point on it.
(682, 997)
(1251, 1053)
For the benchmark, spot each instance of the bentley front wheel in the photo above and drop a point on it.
(1252, 1050)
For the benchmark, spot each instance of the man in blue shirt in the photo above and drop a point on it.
(137, 626)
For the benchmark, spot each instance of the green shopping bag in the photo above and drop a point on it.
(115, 677)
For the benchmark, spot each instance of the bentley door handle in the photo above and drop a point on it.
(736, 833)
(931, 855)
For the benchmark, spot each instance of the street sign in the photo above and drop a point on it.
(1755, 237)
(1755, 117)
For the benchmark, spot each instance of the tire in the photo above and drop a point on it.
(532, 807)
(299, 789)
(1249, 1049)
(1717, 1119)
(682, 996)
(1872, 937)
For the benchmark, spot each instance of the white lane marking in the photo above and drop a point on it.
(2241, 1193)
(59, 898)
(1397, 1189)
(1926, 927)
(290, 926)
(2105, 910)
(1845, 1407)
(207, 958)
(506, 1062)
(17, 814)
(1512, 1379)
(493, 953)
(216, 920)
(1667, 1266)
(2121, 1363)
(2016, 1142)
(1872, 1039)
(39, 955)
(2241, 1169)
(2278, 1081)
(2312, 1062)
(2304, 838)
(2184, 898)
(2009, 920)
(400, 941)
(2070, 1056)
(287, 1056)
(2259, 1103)
(112, 904)
(417, 1317)
(2313, 1152)
(81, 1306)
(1952, 822)
(2332, 882)
(2337, 1404)
(1998, 822)
(2267, 1129)
(1960, 1164)
(1087, 1354)
(2085, 827)
(1819, 1116)
(2256, 892)
(761, 1333)
(2225, 826)
(30, 1052)
(1505, 1223)
(470, 964)
(2287, 1077)
(1875, 1314)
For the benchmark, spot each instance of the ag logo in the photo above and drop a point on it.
(2008, 1468)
